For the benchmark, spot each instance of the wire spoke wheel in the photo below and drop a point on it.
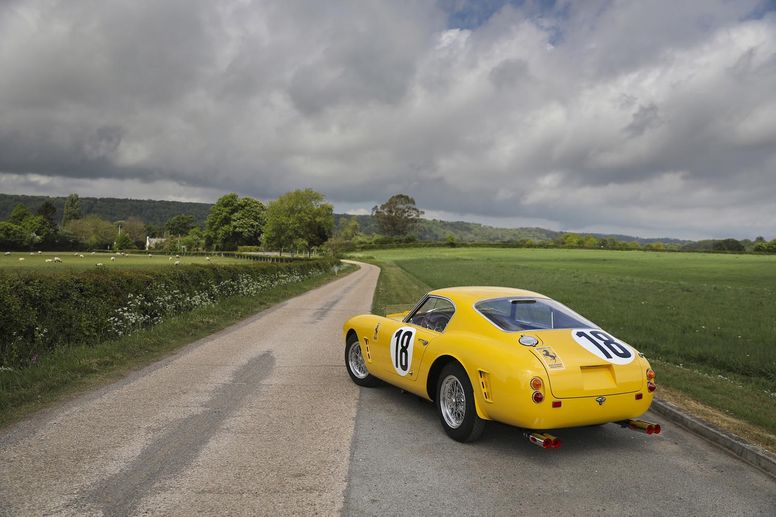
(452, 401)
(356, 361)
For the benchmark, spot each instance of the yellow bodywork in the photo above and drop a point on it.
(590, 389)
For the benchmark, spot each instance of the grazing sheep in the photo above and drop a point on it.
(113, 259)
(99, 264)
(169, 258)
(7, 252)
(40, 252)
(177, 256)
(177, 262)
(49, 260)
(81, 256)
(31, 253)
(57, 259)
(92, 253)
(21, 258)
(207, 258)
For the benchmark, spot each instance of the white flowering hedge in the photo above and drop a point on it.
(41, 312)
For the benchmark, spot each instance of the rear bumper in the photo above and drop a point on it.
(576, 412)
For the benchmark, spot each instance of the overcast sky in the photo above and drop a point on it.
(652, 118)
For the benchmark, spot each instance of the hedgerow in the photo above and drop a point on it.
(40, 312)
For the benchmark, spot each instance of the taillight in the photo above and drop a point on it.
(651, 387)
(650, 374)
(537, 396)
(536, 383)
(556, 403)
(639, 396)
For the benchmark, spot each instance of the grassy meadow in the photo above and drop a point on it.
(88, 260)
(706, 321)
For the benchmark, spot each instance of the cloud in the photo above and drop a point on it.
(655, 117)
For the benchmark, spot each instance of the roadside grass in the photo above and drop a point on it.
(73, 370)
(708, 322)
(74, 262)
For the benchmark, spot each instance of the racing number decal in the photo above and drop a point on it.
(402, 344)
(603, 345)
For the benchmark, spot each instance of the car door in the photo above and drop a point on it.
(401, 345)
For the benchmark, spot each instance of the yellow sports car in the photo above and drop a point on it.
(509, 355)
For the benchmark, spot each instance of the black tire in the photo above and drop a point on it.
(471, 426)
(356, 376)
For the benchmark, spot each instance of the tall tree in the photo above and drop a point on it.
(19, 214)
(397, 216)
(72, 210)
(233, 222)
(298, 219)
(49, 212)
(180, 225)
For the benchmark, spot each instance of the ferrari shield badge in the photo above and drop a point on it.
(550, 357)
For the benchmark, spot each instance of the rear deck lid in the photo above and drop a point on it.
(585, 362)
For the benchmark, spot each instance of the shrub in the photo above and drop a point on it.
(45, 311)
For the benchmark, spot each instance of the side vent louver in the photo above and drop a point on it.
(485, 386)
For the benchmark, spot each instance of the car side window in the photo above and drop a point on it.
(433, 314)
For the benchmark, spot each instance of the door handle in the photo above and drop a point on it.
(423, 341)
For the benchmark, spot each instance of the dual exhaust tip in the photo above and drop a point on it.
(548, 441)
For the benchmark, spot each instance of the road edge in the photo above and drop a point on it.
(751, 454)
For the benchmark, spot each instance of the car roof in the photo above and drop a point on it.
(474, 294)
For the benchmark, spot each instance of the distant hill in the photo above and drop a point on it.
(112, 209)
(159, 212)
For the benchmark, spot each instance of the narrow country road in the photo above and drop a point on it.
(254, 420)
(262, 419)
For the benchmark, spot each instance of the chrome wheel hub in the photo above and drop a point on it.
(452, 401)
(356, 361)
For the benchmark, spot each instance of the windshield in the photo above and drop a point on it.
(514, 314)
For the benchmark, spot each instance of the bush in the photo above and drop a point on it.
(45, 311)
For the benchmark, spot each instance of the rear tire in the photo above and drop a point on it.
(455, 405)
(355, 364)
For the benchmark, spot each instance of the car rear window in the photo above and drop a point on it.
(515, 314)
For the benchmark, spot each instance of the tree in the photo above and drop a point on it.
(12, 236)
(180, 225)
(49, 212)
(234, 222)
(19, 214)
(298, 219)
(727, 245)
(72, 209)
(92, 231)
(135, 229)
(123, 242)
(397, 216)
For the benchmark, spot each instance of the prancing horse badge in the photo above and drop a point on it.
(600, 400)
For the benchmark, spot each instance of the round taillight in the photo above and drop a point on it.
(650, 374)
(651, 387)
(537, 396)
(536, 383)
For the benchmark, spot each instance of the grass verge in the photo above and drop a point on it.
(735, 404)
(73, 370)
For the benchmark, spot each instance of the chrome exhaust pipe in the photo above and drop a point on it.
(543, 440)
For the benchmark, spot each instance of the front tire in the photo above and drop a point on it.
(354, 362)
(455, 405)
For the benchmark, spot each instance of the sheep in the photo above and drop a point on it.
(49, 260)
(177, 262)
(113, 259)
(7, 253)
(21, 259)
(169, 258)
(99, 264)
(207, 258)
(57, 259)
(92, 253)
(177, 256)
(31, 253)
(39, 252)
(81, 255)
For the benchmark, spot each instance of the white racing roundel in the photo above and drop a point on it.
(402, 344)
(603, 345)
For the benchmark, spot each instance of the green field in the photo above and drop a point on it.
(89, 260)
(707, 321)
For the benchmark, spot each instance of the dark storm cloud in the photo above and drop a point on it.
(655, 117)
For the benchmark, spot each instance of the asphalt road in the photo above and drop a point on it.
(262, 419)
